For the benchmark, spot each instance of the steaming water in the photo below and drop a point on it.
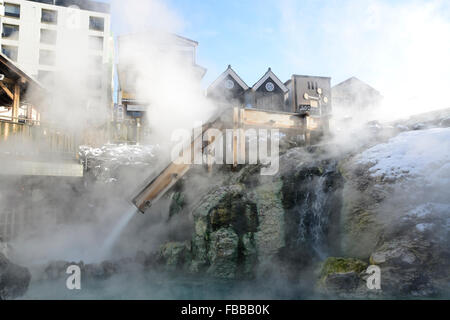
(117, 230)
(314, 217)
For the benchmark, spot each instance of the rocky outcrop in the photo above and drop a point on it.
(14, 279)
(342, 276)
(397, 212)
(223, 253)
(243, 227)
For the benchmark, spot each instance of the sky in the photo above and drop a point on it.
(384, 43)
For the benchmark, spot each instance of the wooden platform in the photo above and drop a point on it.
(36, 168)
(241, 119)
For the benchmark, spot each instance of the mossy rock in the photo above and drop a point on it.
(177, 203)
(334, 265)
(174, 254)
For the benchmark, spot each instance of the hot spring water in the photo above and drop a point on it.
(117, 230)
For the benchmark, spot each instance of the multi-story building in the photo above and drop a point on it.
(38, 34)
(130, 113)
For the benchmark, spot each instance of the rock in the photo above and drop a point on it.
(341, 276)
(270, 236)
(223, 253)
(174, 255)
(249, 255)
(14, 279)
(177, 203)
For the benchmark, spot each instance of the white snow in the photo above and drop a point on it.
(423, 154)
(124, 153)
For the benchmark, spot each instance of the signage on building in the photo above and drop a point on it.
(136, 107)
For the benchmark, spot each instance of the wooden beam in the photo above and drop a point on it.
(5, 88)
(16, 102)
(261, 118)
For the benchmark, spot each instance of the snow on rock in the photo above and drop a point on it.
(105, 162)
(123, 153)
(421, 154)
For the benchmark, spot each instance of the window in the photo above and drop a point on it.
(95, 43)
(48, 36)
(12, 10)
(97, 23)
(49, 16)
(47, 57)
(10, 31)
(11, 52)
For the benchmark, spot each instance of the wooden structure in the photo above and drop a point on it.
(268, 93)
(24, 137)
(228, 87)
(241, 119)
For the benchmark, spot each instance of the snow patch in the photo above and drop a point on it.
(421, 154)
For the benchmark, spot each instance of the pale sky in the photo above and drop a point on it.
(392, 45)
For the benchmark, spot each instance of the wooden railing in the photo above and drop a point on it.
(25, 137)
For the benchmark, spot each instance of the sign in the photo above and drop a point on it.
(136, 107)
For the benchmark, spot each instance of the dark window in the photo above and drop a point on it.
(10, 31)
(47, 57)
(97, 23)
(48, 36)
(49, 16)
(11, 52)
(309, 85)
(12, 10)
(95, 43)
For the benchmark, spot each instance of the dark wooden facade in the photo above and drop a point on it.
(228, 88)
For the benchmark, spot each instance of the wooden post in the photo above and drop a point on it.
(16, 103)
(241, 156)
(235, 133)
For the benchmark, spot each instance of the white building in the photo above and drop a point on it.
(44, 37)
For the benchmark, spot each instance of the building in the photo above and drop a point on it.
(268, 93)
(36, 35)
(130, 113)
(309, 94)
(228, 87)
(355, 99)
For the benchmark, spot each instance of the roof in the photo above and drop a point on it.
(355, 81)
(15, 71)
(307, 76)
(267, 75)
(185, 40)
(229, 72)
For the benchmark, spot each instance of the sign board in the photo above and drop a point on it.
(136, 107)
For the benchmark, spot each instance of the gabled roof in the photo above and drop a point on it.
(355, 81)
(229, 72)
(271, 75)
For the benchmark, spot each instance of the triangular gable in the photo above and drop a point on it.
(353, 81)
(229, 72)
(271, 75)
